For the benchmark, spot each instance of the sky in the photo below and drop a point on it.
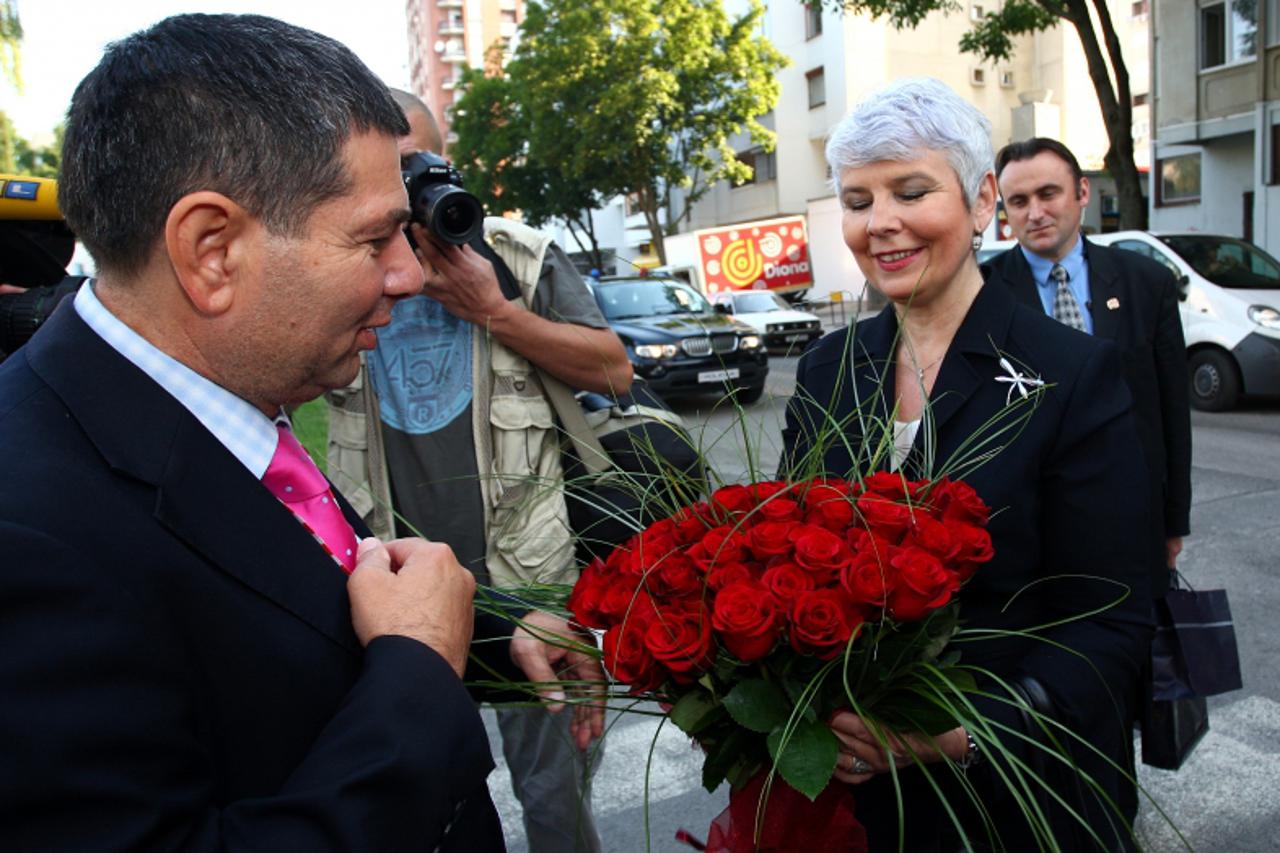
(64, 40)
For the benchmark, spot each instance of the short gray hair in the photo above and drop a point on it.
(908, 117)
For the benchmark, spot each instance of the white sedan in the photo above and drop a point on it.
(769, 314)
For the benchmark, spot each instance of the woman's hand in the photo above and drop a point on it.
(862, 756)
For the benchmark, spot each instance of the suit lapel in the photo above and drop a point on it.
(1104, 298)
(1012, 270)
(204, 495)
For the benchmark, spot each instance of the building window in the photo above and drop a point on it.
(1275, 155)
(817, 81)
(813, 20)
(977, 11)
(1140, 99)
(1228, 32)
(1140, 8)
(1179, 179)
(764, 166)
(978, 76)
(1006, 79)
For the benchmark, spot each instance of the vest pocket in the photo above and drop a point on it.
(529, 527)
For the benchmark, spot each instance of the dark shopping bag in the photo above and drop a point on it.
(1171, 730)
(1193, 652)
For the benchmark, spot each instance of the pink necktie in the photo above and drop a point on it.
(297, 482)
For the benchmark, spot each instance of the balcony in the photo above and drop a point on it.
(449, 4)
(452, 27)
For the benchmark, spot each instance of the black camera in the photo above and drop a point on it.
(437, 200)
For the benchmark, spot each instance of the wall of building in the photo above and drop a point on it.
(1226, 173)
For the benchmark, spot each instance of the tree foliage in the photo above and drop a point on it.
(608, 97)
(11, 42)
(992, 38)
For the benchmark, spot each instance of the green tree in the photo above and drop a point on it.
(992, 37)
(40, 161)
(606, 97)
(11, 42)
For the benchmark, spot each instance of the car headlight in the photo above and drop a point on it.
(749, 342)
(656, 350)
(1265, 315)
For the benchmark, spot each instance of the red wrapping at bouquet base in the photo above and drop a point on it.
(791, 821)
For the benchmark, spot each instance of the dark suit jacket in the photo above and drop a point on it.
(1066, 490)
(177, 660)
(1144, 325)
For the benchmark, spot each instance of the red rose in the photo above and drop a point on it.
(588, 594)
(723, 574)
(931, 535)
(681, 641)
(835, 515)
(748, 619)
(676, 576)
(785, 581)
(957, 501)
(766, 489)
(771, 539)
(733, 499)
(821, 552)
(921, 584)
(779, 509)
(625, 602)
(691, 523)
(825, 488)
(886, 484)
(822, 622)
(973, 548)
(628, 658)
(867, 578)
(884, 517)
(725, 543)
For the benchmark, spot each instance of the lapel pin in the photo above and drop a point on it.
(1113, 304)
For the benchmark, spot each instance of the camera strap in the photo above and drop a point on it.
(506, 278)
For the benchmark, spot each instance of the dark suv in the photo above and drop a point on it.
(677, 342)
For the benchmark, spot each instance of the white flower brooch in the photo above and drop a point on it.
(1018, 381)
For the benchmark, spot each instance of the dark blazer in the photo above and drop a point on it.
(1066, 490)
(177, 660)
(1134, 303)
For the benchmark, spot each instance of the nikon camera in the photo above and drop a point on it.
(437, 200)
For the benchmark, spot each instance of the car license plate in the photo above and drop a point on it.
(718, 375)
(793, 338)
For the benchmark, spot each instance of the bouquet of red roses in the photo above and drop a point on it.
(756, 614)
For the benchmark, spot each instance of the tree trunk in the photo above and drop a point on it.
(649, 204)
(1117, 107)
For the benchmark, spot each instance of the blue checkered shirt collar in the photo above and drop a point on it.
(243, 429)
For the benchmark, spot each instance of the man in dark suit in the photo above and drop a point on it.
(1113, 294)
(184, 664)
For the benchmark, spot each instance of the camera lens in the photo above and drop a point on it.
(454, 215)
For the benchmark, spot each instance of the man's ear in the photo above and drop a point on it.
(1082, 194)
(209, 239)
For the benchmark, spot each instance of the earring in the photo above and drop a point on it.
(976, 242)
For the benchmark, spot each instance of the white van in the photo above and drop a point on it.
(1230, 292)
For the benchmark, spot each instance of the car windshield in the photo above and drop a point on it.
(650, 297)
(1227, 262)
(758, 301)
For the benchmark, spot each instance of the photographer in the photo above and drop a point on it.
(458, 439)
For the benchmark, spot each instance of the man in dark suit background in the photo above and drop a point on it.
(1113, 294)
(184, 664)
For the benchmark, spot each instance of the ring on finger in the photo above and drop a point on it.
(860, 766)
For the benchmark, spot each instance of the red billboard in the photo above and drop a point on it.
(768, 255)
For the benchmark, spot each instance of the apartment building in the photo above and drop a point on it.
(1216, 115)
(1044, 90)
(446, 36)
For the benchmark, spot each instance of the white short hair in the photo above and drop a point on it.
(904, 119)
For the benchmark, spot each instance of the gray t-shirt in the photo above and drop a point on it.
(422, 374)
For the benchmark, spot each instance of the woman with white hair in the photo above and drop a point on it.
(912, 166)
